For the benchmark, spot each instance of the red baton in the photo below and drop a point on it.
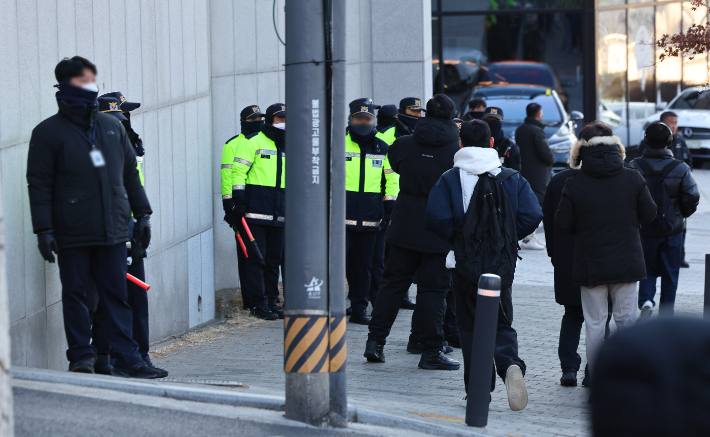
(241, 243)
(138, 282)
(253, 241)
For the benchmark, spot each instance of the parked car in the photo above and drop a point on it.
(520, 72)
(631, 132)
(693, 109)
(459, 69)
(513, 99)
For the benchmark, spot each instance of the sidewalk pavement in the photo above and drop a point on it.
(254, 355)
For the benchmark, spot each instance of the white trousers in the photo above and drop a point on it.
(624, 298)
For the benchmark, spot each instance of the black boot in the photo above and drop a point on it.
(360, 318)
(163, 372)
(436, 360)
(446, 348)
(85, 364)
(375, 353)
(587, 381)
(407, 304)
(454, 341)
(569, 377)
(141, 371)
(263, 312)
(276, 309)
(349, 311)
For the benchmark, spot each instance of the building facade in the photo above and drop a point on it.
(193, 64)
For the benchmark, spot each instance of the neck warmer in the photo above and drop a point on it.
(250, 127)
(278, 136)
(384, 121)
(496, 130)
(408, 120)
(74, 96)
(136, 141)
(83, 116)
(361, 133)
(475, 115)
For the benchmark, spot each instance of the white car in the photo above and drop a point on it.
(693, 109)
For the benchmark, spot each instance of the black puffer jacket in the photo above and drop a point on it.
(678, 147)
(602, 207)
(560, 247)
(84, 205)
(680, 183)
(510, 152)
(420, 160)
(535, 156)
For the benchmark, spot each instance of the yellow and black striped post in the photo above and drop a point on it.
(338, 346)
(306, 344)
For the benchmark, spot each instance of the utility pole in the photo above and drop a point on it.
(338, 345)
(306, 278)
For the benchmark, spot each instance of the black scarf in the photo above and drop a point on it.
(278, 136)
(136, 141)
(385, 121)
(250, 127)
(75, 96)
(361, 140)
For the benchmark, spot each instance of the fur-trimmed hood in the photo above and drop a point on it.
(613, 140)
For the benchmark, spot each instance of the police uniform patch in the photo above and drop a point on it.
(377, 163)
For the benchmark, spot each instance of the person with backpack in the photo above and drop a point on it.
(462, 210)
(602, 207)
(675, 192)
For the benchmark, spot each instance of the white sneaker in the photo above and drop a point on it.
(646, 310)
(515, 386)
(531, 245)
(464, 401)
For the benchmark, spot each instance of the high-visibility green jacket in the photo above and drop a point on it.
(259, 169)
(387, 135)
(371, 186)
(227, 174)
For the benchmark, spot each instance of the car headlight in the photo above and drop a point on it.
(563, 131)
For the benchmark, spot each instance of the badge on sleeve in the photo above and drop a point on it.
(97, 158)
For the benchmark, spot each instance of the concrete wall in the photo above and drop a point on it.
(193, 64)
(6, 416)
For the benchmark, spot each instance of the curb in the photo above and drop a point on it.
(201, 393)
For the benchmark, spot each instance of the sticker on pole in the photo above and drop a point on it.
(313, 289)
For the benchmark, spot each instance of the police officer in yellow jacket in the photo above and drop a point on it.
(251, 120)
(371, 190)
(259, 182)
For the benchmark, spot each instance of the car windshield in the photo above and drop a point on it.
(514, 108)
(530, 76)
(693, 100)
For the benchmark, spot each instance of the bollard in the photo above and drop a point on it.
(484, 339)
(706, 309)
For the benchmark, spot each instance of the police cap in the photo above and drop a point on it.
(493, 113)
(362, 108)
(413, 103)
(111, 105)
(276, 110)
(126, 106)
(387, 111)
(250, 113)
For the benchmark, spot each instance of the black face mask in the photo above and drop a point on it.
(250, 127)
(496, 130)
(408, 121)
(74, 96)
(384, 121)
(362, 132)
(135, 140)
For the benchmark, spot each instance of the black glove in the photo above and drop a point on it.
(141, 231)
(229, 217)
(388, 216)
(47, 244)
(240, 209)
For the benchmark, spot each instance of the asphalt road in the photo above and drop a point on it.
(44, 413)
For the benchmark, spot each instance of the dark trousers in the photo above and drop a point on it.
(378, 265)
(682, 245)
(449, 326)
(434, 283)
(242, 267)
(107, 266)
(506, 349)
(569, 335)
(99, 335)
(138, 300)
(263, 279)
(663, 257)
(360, 250)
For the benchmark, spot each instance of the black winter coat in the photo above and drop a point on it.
(602, 207)
(84, 205)
(535, 156)
(560, 248)
(511, 159)
(680, 183)
(420, 160)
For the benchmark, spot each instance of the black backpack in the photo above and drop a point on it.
(486, 240)
(666, 219)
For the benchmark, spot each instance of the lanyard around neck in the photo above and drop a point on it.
(91, 141)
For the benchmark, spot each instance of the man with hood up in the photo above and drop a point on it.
(602, 206)
(448, 204)
(419, 159)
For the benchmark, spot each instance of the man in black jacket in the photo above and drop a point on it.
(508, 151)
(83, 185)
(662, 252)
(536, 159)
(602, 206)
(420, 159)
